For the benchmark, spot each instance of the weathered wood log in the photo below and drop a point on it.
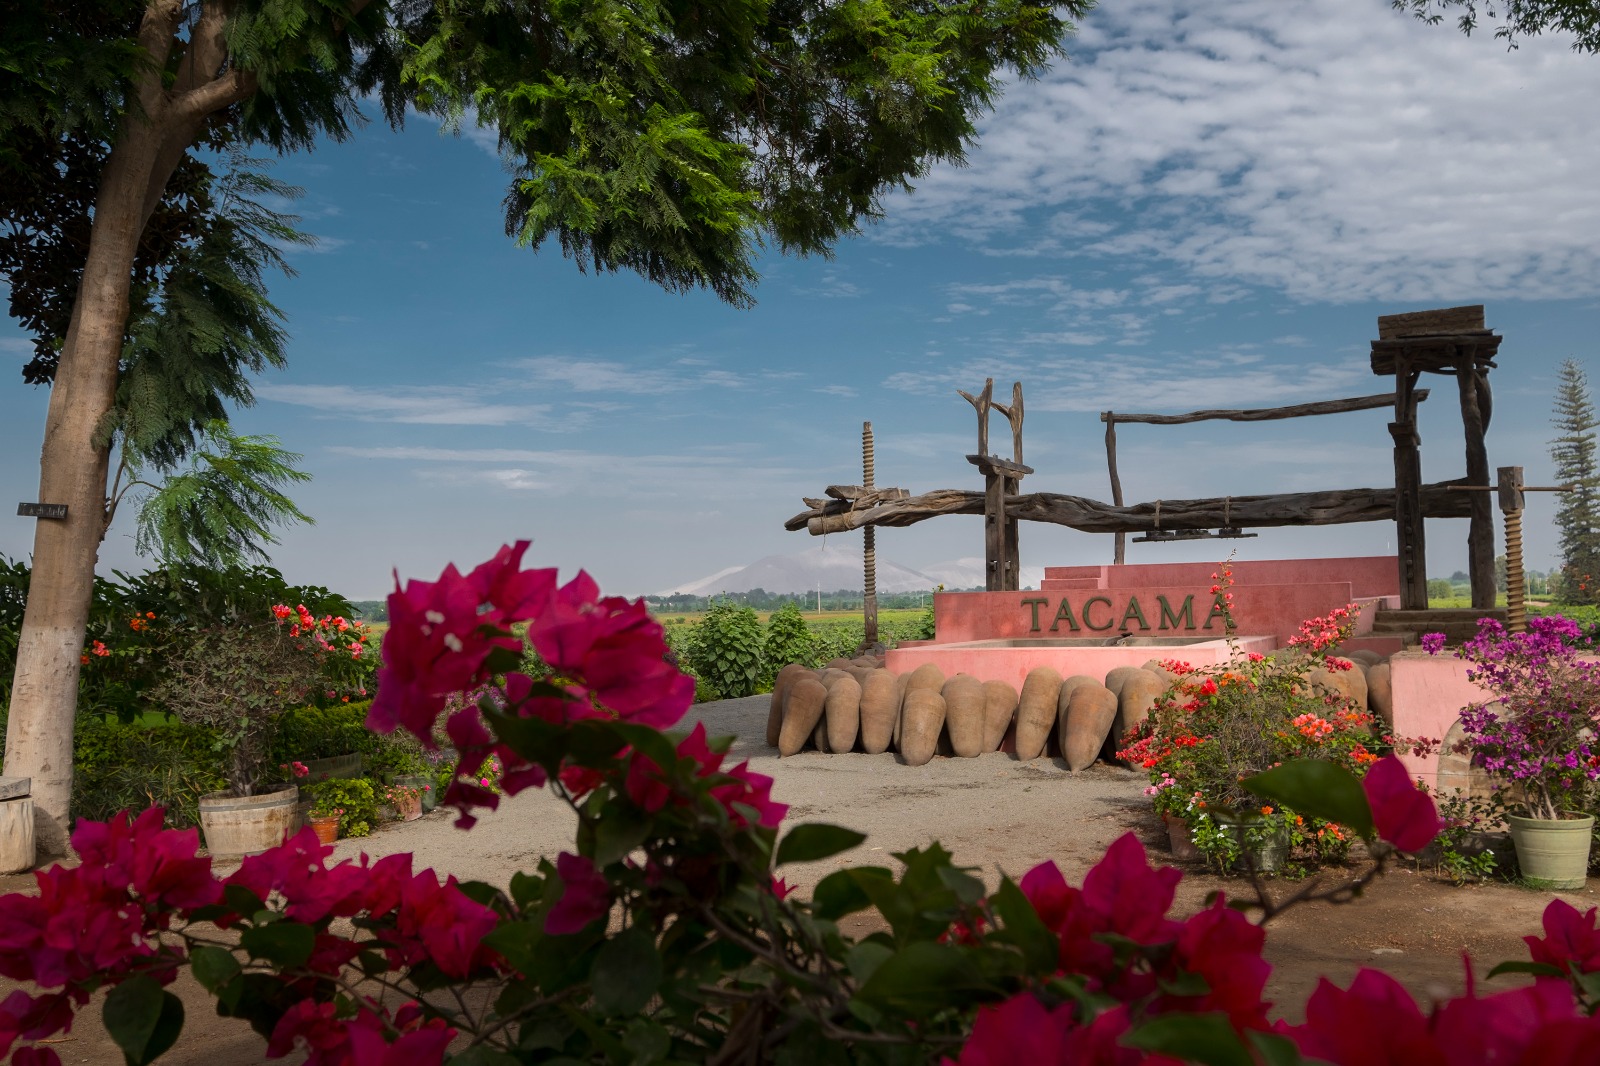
(1332, 507)
(1264, 414)
(1466, 319)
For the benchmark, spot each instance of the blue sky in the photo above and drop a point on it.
(1202, 208)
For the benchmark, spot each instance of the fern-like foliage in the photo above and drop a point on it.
(211, 325)
(221, 509)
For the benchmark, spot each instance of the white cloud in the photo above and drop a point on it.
(442, 405)
(1220, 378)
(596, 375)
(844, 391)
(1336, 152)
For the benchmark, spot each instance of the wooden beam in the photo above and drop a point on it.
(1332, 507)
(1264, 414)
(1466, 319)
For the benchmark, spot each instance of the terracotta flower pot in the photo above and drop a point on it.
(1553, 853)
(408, 808)
(1181, 839)
(326, 827)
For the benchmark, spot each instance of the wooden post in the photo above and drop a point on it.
(1480, 534)
(1410, 535)
(1110, 419)
(869, 556)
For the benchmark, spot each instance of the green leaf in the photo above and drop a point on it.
(1204, 1038)
(142, 1018)
(1316, 789)
(213, 967)
(652, 743)
(1022, 926)
(808, 843)
(1275, 1050)
(284, 944)
(622, 829)
(482, 1055)
(844, 891)
(1538, 969)
(626, 972)
(534, 740)
(864, 959)
(517, 943)
(923, 976)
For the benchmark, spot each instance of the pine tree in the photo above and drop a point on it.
(1578, 517)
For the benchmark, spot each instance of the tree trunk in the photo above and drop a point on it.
(72, 470)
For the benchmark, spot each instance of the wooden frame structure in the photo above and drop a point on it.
(1261, 414)
(1446, 341)
(1453, 341)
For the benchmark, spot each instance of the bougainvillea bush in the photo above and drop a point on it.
(666, 935)
(1537, 735)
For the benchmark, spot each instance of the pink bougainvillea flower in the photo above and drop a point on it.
(585, 896)
(752, 790)
(615, 649)
(516, 594)
(781, 888)
(33, 1018)
(437, 642)
(449, 927)
(1224, 947)
(1121, 895)
(298, 870)
(1020, 1030)
(421, 1047)
(1403, 814)
(1570, 938)
(1375, 1022)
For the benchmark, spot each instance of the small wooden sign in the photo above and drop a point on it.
(42, 510)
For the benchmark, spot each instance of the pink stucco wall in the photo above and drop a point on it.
(1429, 692)
(1368, 576)
(1258, 610)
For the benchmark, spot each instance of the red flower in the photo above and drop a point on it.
(585, 896)
(1402, 814)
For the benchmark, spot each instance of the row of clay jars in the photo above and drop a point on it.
(856, 707)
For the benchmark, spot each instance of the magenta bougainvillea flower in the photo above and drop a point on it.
(1403, 814)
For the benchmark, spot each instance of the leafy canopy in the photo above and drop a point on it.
(668, 137)
(1521, 18)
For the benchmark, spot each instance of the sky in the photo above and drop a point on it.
(1205, 206)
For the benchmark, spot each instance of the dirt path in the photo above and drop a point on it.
(991, 812)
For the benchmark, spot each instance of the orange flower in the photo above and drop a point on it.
(1266, 810)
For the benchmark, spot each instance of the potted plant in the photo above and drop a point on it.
(236, 676)
(352, 800)
(1538, 737)
(324, 821)
(1217, 725)
(406, 801)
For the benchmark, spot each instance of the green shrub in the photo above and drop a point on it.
(726, 649)
(323, 733)
(134, 766)
(788, 641)
(355, 798)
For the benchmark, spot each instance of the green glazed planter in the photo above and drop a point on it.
(1553, 854)
(1267, 857)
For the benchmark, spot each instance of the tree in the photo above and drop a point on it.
(1578, 515)
(673, 140)
(1522, 18)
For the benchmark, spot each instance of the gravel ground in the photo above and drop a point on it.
(991, 812)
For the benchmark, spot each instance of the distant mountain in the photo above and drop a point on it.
(967, 573)
(829, 567)
(833, 567)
